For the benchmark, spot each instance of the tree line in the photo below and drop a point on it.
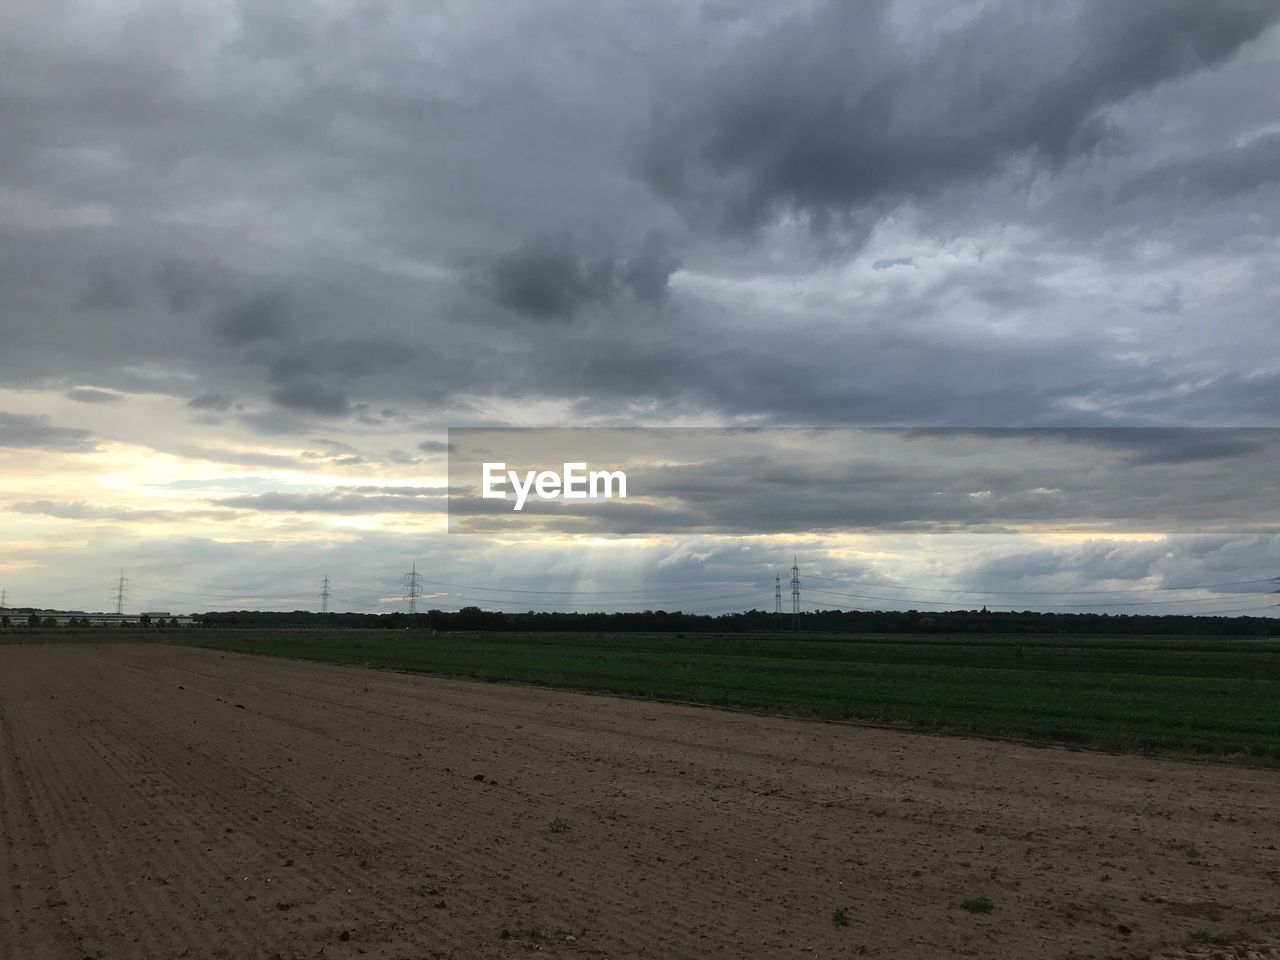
(761, 621)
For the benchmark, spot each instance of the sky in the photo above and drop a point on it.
(256, 260)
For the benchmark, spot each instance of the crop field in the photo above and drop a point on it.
(1209, 695)
(158, 800)
(1212, 695)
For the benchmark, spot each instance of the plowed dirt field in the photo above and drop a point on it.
(158, 801)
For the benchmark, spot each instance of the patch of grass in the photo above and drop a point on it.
(559, 825)
(840, 917)
(978, 905)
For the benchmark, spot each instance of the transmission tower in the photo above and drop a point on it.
(411, 592)
(777, 597)
(325, 595)
(795, 592)
(4, 599)
(120, 592)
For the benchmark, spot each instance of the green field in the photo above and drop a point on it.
(1210, 695)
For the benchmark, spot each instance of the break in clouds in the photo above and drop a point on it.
(288, 247)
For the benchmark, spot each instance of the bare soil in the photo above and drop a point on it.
(162, 802)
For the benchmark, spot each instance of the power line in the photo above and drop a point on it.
(120, 593)
(666, 588)
(777, 598)
(795, 592)
(672, 595)
(411, 591)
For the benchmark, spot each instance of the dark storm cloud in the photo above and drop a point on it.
(306, 375)
(344, 359)
(186, 284)
(322, 216)
(307, 396)
(305, 371)
(108, 292)
(844, 112)
(262, 316)
(35, 432)
(556, 278)
(647, 273)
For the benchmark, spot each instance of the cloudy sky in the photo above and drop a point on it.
(256, 259)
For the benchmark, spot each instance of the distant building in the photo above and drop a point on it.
(18, 618)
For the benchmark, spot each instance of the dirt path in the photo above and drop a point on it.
(164, 802)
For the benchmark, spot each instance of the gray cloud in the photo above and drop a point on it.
(797, 481)
(34, 431)
(1160, 574)
(108, 292)
(397, 244)
(185, 285)
(81, 510)
(888, 262)
(211, 401)
(93, 395)
(841, 112)
(556, 278)
(712, 574)
(375, 227)
(345, 359)
(263, 316)
(1220, 173)
(360, 499)
(307, 396)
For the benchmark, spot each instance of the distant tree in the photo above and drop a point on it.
(4, 621)
(49, 622)
(145, 620)
(33, 620)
